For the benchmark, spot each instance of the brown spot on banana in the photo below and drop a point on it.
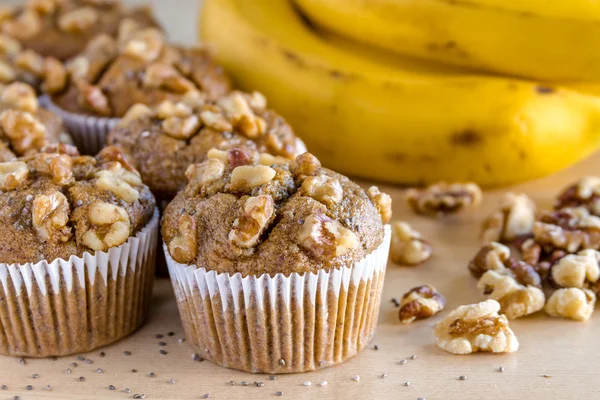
(467, 138)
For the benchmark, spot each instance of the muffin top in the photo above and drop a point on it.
(163, 142)
(111, 75)
(62, 28)
(271, 217)
(25, 128)
(56, 204)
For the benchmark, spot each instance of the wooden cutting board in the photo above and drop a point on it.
(557, 358)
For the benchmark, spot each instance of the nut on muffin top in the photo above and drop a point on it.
(62, 28)
(163, 142)
(111, 75)
(56, 204)
(272, 216)
(25, 128)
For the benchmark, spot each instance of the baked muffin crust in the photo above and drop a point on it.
(162, 142)
(274, 217)
(111, 75)
(57, 204)
(62, 28)
(25, 128)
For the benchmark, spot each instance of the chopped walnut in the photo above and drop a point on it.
(24, 27)
(146, 44)
(577, 270)
(119, 181)
(55, 75)
(12, 174)
(163, 76)
(232, 158)
(247, 177)
(569, 229)
(168, 109)
(24, 131)
(476, 327)
(268, 159)
(324, 189)
(205, 172)
(419, 303)
(136, 112)
(7, 73)
(110, 226)
(31, 62)
(50, 216)
(247, 228)
(20, 96)
(42, 7)
(574, 303)
(515, 219)
(490, 257)
(585, 193)
(408, 247)
(325, 238)
(241, 115)
(382, 201)
(78, 20)
(61, 168)
(305, 165)
(443, 198)
(9, 46)
(60, 148)
(181, 128)
(516, 300)
(183, 247)
(215, 120)
(93, 98)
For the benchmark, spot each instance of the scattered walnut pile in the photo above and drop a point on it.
(476, 327)
(444, 198)
(419, 303)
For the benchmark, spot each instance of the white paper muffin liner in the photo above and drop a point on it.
(76, 305)
(89, 133)
(279, 324)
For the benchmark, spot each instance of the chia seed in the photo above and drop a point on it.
(89, 361)
(152, 375)
(206, 396)
(356, 378)
(500, 369)
(259, 384)
(272, 377)
(421, 398)
(159, 336)
(282, 362)
(81, 358)
(172, 381)
(307, 383)
(102, 354)
(171, 334)
(163, 352)
(74, 365)
(462, 378)
(413, 357)
(134, 371)
(181, 340)
(244, 383)
(127, 390)
(376, 347)
(48, 387)
(139, 396)
(4, 387)
(197, 358)
(16, 398)
(99, 370)
(232, 383)
(81, 378)
(127, 353)
(22, 361)
(278, 393)
(111, 387)
(28, 387)
(384, 375)
(407, 383)
(396, 301)
(35, 376)
(323, 383)
(162, 343)
(402, 362)
(68, 371)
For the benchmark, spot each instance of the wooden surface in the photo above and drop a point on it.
(566, 351)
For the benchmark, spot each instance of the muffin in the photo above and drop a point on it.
(111, 75)
(62, 28)
(77, 249)
(25, 128)
(277, 267)
(163, 142)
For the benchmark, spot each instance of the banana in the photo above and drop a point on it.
(376, 120)
(548, 40)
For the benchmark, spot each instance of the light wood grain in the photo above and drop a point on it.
(565, 350)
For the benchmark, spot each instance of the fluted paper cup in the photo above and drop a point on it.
(279, 324)
(89, 133)
(76, 305)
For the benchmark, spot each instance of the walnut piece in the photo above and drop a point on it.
(269, 159)
(232, 158)
(574, 303)
(7, 73)
(325, 238)
(382, 201)
(24, 131)
(163, 76)
(514, 219)
(419, 303)
(516, 300)
(168, 109)
(78, 20)
(577, 270)
(181, 128)
(110, 226)
(584, 193)
(50, 216)
(443, 198)
(145, 44)
(55, 75)
(136, 112)
(24, 27)
(12, 174)
(20, 96)
(205, 172)
(249, 176)
(119, 181)
(408, 247)
(92, 97)
(9, 46)
(215, 120)
(247, 228)
(239, 112)
(324, 189)
(31, 62)
(305, 165)
(569, 229)
(61, 168)
(183, 247)
(476, 327)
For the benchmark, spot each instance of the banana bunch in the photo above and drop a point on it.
(385, 116)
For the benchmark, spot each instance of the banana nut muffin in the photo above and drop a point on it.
(62, 28)
(277, 266)
(111, 75)
(163, 142)
(77, 247)
(25, 128)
